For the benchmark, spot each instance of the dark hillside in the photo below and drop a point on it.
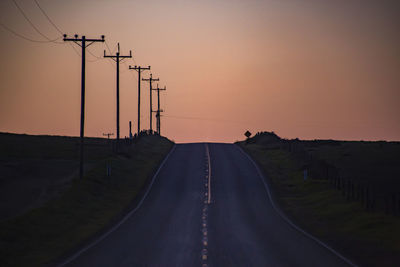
(346, 193)
(50, 210)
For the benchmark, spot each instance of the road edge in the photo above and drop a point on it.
(286, 219)
(118, 224)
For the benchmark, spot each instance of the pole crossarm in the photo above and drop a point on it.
(117, 55)
(115, 58)
(139, 68)
(160, 89)
(108, 135)
(83, 39)
(151, 79)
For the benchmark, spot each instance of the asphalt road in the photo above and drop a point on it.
(175, 225)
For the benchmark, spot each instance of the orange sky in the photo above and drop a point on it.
(304, 68)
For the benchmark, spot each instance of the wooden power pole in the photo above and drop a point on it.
(117, 58)
(158, 111)
(151, 80)
(83, 43)
(139, 70)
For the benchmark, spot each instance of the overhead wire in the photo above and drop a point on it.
(57, 28)
(132, 74)
(202, 119)
(24, 37)
(48, 18)
(134, 61)
(115, 49)
(33, 40)
(124, 62)
(111, 52)
(94, 60)
(97, 58)
(75, 50)
(122, 70)
(32, 24)
(37, 30)
(108, 47)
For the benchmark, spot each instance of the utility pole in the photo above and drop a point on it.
(151, 80)
(83, 43)
(139, 70)
(158, 112)
(130, 130)
(117, 58)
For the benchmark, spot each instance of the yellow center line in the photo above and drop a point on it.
(209, 175)
(206, 202)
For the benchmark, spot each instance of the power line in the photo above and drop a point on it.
(48, 18)
(109, 50)
(133, 75)
(76, 51)
(93, 60)
(35, 41)
(26, 38)
(31, 23)
(93, 55)
(204, 119)
(59, 30)
(134, 61)
(79, 55)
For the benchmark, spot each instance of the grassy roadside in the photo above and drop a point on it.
(368, 239)
(88, 206)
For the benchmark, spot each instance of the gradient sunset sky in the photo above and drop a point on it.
(306, 68)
